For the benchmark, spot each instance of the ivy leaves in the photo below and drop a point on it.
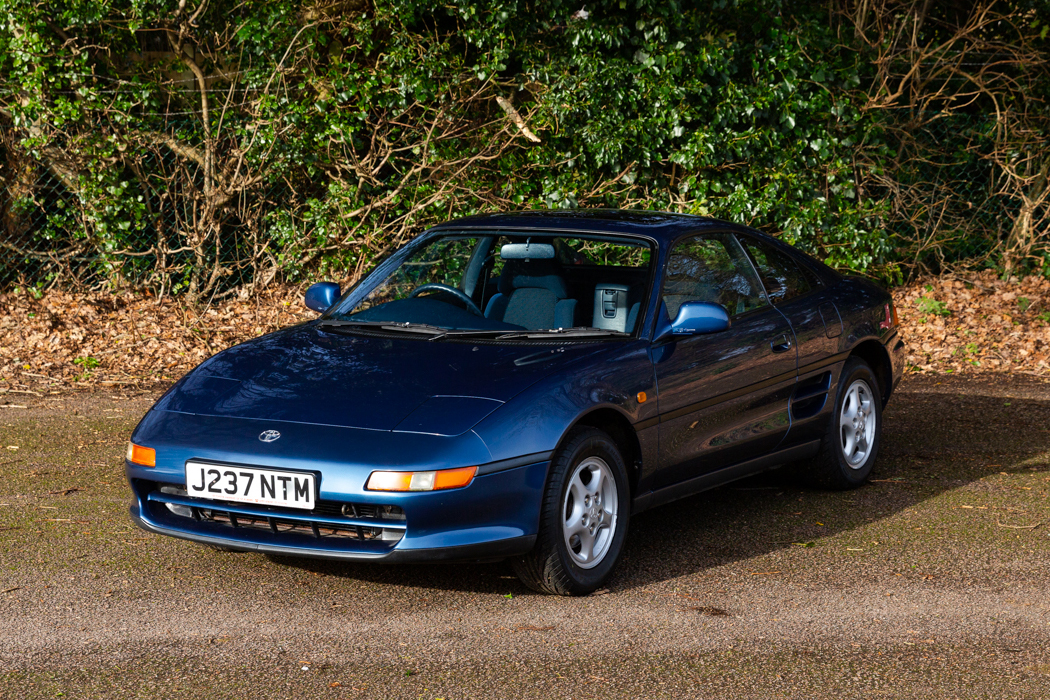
(336, 131)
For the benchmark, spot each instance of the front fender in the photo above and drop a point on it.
(536, 420)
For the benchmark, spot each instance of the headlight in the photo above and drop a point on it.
(421, 481)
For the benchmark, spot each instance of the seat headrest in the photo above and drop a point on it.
(535, 274)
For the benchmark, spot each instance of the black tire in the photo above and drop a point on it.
(831, 469)
(551, 567)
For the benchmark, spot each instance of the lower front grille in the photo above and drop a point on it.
(329, 520)
(278, 526)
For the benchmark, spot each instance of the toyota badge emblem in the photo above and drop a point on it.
(269, 435)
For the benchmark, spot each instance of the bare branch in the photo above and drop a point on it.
(516, 118)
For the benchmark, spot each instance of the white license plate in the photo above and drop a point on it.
(247, 485)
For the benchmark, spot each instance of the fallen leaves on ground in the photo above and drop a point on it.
(65, 339)
(977, 323)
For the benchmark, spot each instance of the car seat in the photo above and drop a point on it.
(532, 294)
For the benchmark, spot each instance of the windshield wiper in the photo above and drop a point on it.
(439, 333)
(578, 332)
(511, 335)
(405, 327)
(469, 333)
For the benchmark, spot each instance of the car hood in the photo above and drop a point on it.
(306, 374)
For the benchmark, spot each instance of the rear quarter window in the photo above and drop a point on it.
(783, 278)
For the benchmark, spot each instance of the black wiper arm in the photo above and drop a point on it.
(405, 327)
(438, 333)
(502, 334)
(581, 332)
(469, 333)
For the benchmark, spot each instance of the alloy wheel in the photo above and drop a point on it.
(857, 424)
(589, 512)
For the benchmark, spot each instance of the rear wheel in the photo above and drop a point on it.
(583, 519)
(851, 444)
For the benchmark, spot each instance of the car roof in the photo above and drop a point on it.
(660, 225)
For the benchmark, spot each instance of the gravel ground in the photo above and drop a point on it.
(929, 582)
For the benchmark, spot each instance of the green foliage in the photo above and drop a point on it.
(233, 143)
(931, 307)
(87, 364)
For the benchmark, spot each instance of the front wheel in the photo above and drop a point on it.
(851, 444)
(583, 519)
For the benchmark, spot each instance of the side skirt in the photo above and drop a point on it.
(705, 482)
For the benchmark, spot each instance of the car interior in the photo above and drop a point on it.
(568, 290)
(515, 282)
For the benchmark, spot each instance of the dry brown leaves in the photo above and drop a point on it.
(977, 323)
(67, 340)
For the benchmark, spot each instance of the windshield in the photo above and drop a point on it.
(505, 283)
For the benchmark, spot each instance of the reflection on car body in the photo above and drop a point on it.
(518, 386)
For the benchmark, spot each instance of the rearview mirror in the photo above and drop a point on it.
(527, 251)
(321, 296)
(694, 318)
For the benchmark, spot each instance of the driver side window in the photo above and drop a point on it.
(443, 262)
(712, 268)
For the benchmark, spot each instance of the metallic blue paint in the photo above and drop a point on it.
(694, 318)
(350, 403)
(321, 296)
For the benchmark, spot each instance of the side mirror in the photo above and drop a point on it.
(321, 296)
(694, 318)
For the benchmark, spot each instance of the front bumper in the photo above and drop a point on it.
(496, 549)
(496, 516)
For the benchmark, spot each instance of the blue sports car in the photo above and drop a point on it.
(518, 386)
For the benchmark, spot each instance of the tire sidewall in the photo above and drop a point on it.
(592, 442)
(854, 370)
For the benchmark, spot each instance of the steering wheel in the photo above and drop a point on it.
(458, 293)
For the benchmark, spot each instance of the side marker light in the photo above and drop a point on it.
(143, 456)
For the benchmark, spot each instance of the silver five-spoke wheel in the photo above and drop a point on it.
(589, 512)
(857, 424)
(583, 518)
(850, 446)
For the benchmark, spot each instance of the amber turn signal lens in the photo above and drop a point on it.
(454, 478)
(421, 481)
(143, 456)
(642, 398)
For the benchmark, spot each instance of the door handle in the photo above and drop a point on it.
(781, 343)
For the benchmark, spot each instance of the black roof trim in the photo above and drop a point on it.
(655, 224)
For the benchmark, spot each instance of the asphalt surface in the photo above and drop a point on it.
(931, 582)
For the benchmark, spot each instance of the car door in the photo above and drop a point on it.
(801, 296)
(723, 397)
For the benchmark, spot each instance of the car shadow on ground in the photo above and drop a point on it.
(935, 439)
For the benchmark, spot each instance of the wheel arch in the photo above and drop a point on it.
(875, 355)
(618, 427)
